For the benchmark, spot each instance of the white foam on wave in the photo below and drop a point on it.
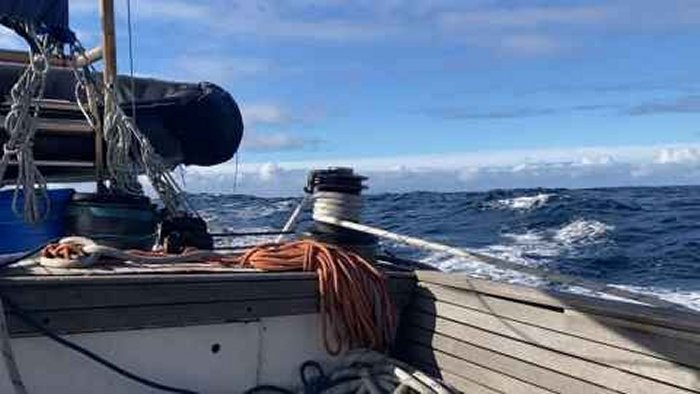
(532, 248)
(474, 268)
(537, 248)
(582, 231)
(524, 203)
(688, 298)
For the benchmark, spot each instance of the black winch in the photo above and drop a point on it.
(336, 192)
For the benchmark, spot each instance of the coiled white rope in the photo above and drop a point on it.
(367, 371)
(87, 253)
(21, 126)
(338, 205)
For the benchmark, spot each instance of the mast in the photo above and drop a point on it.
(109, 51)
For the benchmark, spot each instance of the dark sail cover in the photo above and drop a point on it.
(49, 16)
(187, 123)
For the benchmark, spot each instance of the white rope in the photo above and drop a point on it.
(90, 253)
(496, 262)
(293, 218)
(367, 371)
(338, 205)
(9, 356)
(21, 126)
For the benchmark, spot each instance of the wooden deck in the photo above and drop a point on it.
(481, 336)
(78, 304)
(486, 337)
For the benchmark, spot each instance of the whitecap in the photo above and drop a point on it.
(523, 203)
(582, 231)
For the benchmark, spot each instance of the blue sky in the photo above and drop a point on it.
(402, 83)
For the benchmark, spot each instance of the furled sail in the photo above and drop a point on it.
(187, 123)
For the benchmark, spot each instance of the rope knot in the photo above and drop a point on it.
(10, 151)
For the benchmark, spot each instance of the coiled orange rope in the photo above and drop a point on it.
(356, 309)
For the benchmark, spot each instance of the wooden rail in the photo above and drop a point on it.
(490, 337)
(120, 302)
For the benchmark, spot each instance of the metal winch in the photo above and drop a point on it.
(337, 192)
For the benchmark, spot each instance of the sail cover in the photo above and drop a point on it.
(187, 123)
(47, 16)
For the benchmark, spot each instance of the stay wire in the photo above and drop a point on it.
(131, 61)
(32, 322)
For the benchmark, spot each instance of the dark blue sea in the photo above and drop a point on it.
(645, 239)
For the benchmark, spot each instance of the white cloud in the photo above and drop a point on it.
(258, 116)
(530, 29)
(526, 17)
(574, 168)
(148, 9)
(272, 142)
(264, 113)
(678, 155)
(269, 171)
(530, 44)
(217, 69)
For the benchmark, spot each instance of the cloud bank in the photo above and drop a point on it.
(569, 168)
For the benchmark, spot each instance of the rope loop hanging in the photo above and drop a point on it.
(129, 152)
(21, 126)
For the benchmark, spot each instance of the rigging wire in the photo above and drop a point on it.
(131, 61)
(235, 173)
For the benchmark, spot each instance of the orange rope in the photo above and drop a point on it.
(356, 310)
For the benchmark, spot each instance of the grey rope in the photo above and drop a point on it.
(21, 125)
(128, 150)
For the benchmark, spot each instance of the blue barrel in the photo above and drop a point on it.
(18, 236)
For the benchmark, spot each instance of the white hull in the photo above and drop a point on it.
(267, 351)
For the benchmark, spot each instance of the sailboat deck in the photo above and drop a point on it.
(479, 335)
(89, 303)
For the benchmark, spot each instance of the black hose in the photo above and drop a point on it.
(30, 321)
(268, 389)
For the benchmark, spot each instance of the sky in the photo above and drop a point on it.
(433, 95)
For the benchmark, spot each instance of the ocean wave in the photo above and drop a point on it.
(643, 238)
(688, 298)
(523, 203)
(478, 269)
(582, 231)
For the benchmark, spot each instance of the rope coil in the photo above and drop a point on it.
(356, 309)
(21, 126)
(335, 204)
(128, 149)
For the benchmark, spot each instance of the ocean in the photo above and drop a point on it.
(643, 239)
